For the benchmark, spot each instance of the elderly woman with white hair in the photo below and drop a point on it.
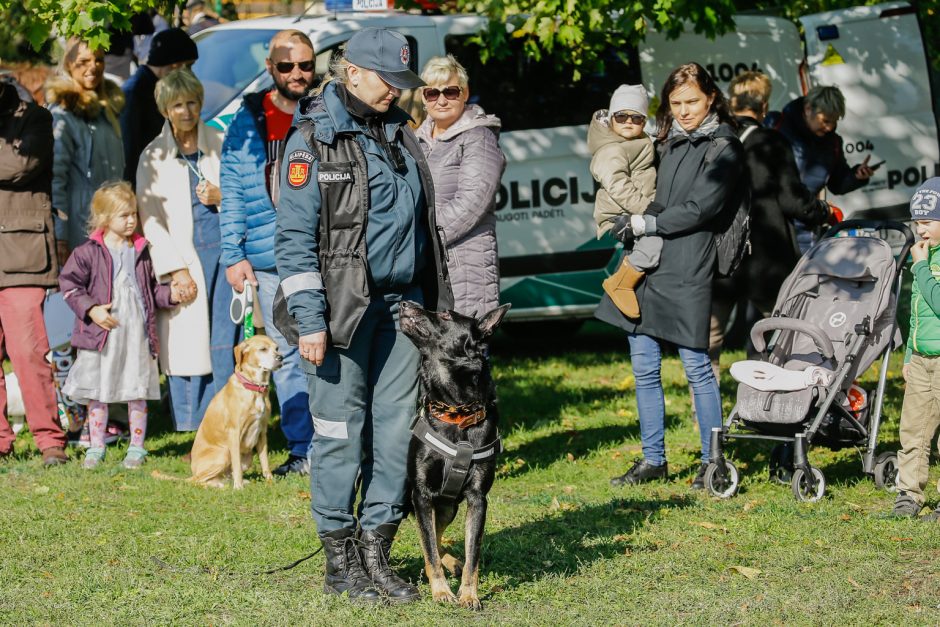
(461, 143)
(178, 196)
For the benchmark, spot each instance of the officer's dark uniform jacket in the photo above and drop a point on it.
(355, 216)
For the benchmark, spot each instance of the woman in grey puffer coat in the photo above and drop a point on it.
(462, 148)
(88, 149)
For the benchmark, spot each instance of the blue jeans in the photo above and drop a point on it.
(190, 396)
(289, 380)
(646, 357)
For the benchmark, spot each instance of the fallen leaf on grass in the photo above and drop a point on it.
(900, 539)
(750, 573)
(854, 506)
(751, 505)
(555, 505)
(708, 525)
(303, 494)
(568, 489)
(616, 455)
(570, 457)
(855, 584)
(41, 489)
(845, 517)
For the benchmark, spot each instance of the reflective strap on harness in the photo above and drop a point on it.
(459, 457)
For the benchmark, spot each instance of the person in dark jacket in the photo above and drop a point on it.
(108, 282)
(28, 266)
(248, 178)
(809, 124)
(779, 200)
(141, 120)
(701, 162)
(461, 143)
(356, 234)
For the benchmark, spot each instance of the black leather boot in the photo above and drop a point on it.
(375, 545)
(640, 472)
(344, 571)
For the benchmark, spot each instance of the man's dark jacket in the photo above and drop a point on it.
(27, 241)
(820, 160)
(778, 197)
(141, 120)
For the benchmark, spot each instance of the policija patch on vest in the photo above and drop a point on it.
(298, 168)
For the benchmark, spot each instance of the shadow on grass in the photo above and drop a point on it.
(568, 540)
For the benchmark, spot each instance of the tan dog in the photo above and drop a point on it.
(236, 422)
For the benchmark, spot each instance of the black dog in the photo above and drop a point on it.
(452, 456)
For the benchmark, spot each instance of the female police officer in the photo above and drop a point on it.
(355, 236)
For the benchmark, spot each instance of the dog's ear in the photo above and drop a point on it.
(488, 323)
(239, 353)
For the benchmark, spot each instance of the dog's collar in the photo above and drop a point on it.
(248, 384)
(464, 416)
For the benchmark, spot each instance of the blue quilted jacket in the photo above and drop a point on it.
(247, 218)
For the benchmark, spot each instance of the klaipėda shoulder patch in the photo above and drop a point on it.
(298, 168)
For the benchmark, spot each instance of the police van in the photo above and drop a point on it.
(551, 262)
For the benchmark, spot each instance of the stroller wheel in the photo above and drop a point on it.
(886, 471)
(803, 491)
(724, 487)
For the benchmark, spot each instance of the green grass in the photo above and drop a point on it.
(562, 546)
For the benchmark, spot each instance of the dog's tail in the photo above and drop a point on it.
(162, 476)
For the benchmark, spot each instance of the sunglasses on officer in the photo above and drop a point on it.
(621, 117)
(431, 94)
(286, 67)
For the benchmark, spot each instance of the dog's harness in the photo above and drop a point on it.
(458, 456)
(248, 384)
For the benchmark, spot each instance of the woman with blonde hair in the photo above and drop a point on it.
(179, 198)
(88, 149)
(461, 143)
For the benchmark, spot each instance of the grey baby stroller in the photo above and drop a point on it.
(835, 315)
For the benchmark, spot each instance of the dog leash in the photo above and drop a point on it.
(202, 569)
(242, 308)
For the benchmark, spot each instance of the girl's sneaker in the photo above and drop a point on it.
(135, 457)
(93, 457)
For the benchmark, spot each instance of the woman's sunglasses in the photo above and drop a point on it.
(621, 118)
(286, 67)
(431, 94)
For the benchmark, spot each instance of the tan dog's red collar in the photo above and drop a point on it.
(464, 416)
(248, 384)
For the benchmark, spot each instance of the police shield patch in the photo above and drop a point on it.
(298, 168)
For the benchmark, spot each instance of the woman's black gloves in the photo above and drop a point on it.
(622, 230)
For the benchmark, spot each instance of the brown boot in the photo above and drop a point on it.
(620, 287)
(53, 456)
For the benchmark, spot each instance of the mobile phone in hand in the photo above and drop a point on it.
(875, 166)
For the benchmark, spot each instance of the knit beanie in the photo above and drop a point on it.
(629, 97)
(925, 203)
(171, 46)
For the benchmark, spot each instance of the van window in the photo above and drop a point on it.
(229, 60)
(527, 94)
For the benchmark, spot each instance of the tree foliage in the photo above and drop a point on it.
(92, 20)
(580, 30)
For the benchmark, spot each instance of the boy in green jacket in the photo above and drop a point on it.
(920, 415)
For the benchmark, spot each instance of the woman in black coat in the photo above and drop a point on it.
(699, 179)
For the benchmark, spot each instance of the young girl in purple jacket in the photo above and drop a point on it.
(108, 282)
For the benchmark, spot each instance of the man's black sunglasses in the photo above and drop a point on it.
(286, 67)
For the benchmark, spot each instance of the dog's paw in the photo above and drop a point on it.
(444, 596)
(269, 477)
(452, 564)
(238, 486)
(469, 600)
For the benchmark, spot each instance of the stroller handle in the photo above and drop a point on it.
(879, 225)
(822, 341)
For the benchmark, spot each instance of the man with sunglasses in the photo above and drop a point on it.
(249, 182)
